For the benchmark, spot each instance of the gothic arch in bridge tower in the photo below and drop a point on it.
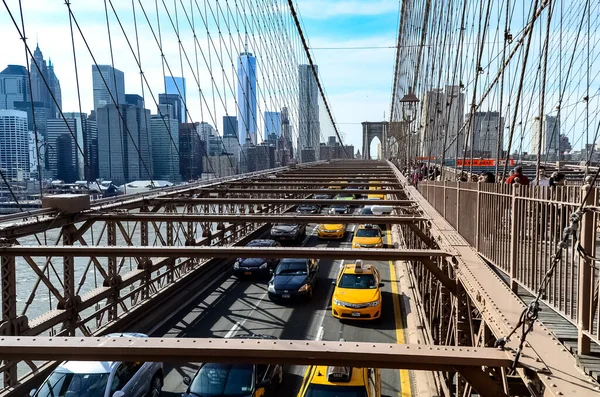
(370, 131)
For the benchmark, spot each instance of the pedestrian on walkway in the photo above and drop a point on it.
(521, 179)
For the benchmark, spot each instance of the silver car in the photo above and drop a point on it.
(103, 378)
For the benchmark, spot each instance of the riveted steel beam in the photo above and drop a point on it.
(284, 190)
(271, 182)
(287, 201)
(301, 352)
(268, 218)
(220, 252)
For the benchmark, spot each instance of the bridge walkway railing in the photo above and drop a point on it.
(517, 229)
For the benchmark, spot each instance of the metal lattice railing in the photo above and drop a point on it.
(517, 230)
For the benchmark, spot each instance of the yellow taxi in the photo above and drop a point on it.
(331, 231)
(357, 293)
(338, 185)
(367, 236)
(373, 195)
(340, 381)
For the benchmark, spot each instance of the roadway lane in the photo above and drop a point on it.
(242, 306)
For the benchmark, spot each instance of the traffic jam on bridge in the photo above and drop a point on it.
(277, 298)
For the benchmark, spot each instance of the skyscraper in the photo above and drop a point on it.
(165, 147)
(108, 85)
(246, 98)
(176, 86)
(484, 133)
(442, 116)
(45, 86)
(309, 134)
(205, 130)
(14, 144)
(71, 125)
(13, 86)
(550, 127)
(190, 151)
(177, 105)
(124, 146)
(37, 155)
(65, 169)
(87, 140)
(272, 124)
(286, 135)
(230, 126)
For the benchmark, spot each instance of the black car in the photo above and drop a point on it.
(293, 279)
(240, 380)
(308, 209)
(338, 209)
(366, 211)
(288, 232)
(256, 266)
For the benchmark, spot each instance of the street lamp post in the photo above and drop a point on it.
(409, 113)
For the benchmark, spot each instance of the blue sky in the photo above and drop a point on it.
(358, 82)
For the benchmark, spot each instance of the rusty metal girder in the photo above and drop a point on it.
(284, 190)
(290, 201)
(274, 182)
(300, 352)
(220, 252)
(267, 218)
(285, 178)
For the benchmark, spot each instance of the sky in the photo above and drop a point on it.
(357, 82)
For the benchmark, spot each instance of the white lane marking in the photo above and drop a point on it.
(233, 330)
(321, 332)
(238, 325)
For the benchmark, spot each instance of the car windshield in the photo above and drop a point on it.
(335, 391)
(345, 195)
(292, 267)
(306, 207)
(225, 380)
(366, 211)
(367, 233)
(357, 281)
(61, 384)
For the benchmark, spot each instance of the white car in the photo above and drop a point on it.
(103, 378)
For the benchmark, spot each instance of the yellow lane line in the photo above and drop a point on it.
(405, 387)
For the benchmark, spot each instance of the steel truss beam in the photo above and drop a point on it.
(274, 182)
(267, 218)
(290, 201)
(300, 352)
(320, 178)
(219, 252)
(284, 190)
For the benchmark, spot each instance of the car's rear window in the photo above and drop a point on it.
(335, 391)
(230, 380)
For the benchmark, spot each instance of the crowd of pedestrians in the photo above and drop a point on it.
(422, 172)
